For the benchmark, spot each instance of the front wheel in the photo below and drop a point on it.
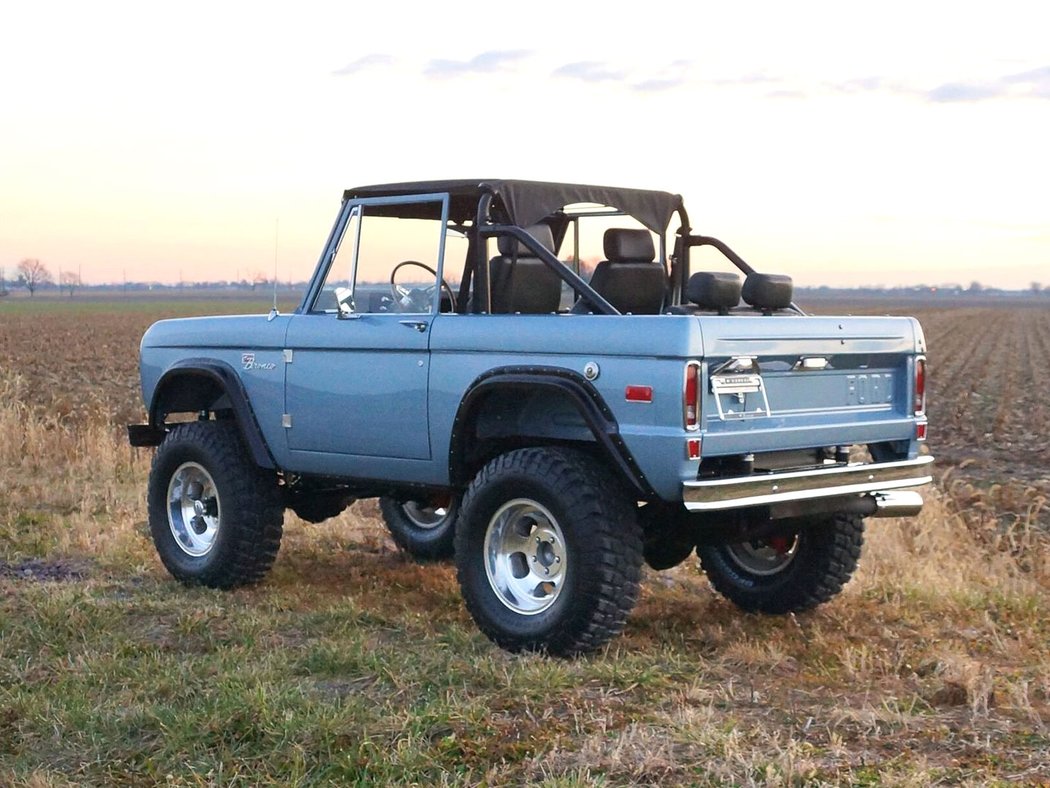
(790, 572)
(425, 529)
(215, 517)
(548, 552)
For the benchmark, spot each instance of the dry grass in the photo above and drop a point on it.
(79, 476)
(353, 663)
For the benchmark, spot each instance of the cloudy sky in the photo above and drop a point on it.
(843, 143)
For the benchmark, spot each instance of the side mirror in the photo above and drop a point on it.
(344, 299)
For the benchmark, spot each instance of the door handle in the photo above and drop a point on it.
(418, 325)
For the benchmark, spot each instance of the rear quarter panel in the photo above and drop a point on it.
(637, 350)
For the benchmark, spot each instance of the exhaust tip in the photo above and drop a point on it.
(897, 504)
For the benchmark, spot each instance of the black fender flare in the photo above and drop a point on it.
(221, 375)
(581, 393)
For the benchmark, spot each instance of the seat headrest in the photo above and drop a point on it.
(713, 290)
(628, 246)
(768, 291)
(508, 245)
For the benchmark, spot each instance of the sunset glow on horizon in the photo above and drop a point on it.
(887, 145)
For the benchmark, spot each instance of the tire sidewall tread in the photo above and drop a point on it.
(252, 512)
(828, 553)
(423, 544)
(602, 537)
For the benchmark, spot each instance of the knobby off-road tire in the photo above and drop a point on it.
(787, 574)
(216, 518)
(423, 529)
(548, 552)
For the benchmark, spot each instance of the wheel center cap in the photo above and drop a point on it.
(545, 554)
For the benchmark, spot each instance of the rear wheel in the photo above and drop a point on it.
(425, 529)
(548, 552)
(215, 517)
(789, 572)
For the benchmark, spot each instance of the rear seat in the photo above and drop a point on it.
(710, 291)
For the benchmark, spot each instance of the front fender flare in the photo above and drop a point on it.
(177, 391)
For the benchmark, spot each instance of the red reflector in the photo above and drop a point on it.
(920, 431)
(692, 448)
(639, 393)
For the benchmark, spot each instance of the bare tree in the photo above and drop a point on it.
(34, 274)
(3, 283)
(68, 280)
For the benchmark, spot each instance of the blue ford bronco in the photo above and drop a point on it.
(550, 423)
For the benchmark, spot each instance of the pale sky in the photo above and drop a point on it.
(842, 143)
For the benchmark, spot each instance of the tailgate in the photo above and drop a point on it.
(778, 383)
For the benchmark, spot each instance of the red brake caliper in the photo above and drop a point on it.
(780, 543)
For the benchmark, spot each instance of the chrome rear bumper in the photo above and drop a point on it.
(839, 480)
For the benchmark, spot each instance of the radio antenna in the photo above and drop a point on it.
(276, 233)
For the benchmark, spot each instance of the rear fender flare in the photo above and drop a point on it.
(566, 383)
(205, 384)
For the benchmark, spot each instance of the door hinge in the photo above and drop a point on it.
(286, 420)
(287, 356)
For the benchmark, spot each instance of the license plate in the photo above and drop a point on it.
(736, 384)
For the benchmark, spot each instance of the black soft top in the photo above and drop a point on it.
(527, 202)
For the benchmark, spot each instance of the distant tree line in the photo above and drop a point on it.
(32, 275)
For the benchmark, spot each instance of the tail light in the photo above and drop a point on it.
(691, 396)
(920, 385)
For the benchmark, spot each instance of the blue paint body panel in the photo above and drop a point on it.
(374, 398)
(358, 387)
(227, 340)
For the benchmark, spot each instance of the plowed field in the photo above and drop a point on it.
(989, 387)
(988, 397)
(79, 357)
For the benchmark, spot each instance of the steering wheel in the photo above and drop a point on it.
(417, 298)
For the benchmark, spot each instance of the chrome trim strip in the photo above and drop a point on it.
(875, 408)
(763, 489)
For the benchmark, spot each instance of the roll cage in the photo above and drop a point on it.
(489, 208)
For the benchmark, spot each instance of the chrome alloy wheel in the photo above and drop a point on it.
(194, 512)
(764, 557)
(424, 516)
(525, 556)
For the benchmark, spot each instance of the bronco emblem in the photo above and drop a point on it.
(249, 363)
